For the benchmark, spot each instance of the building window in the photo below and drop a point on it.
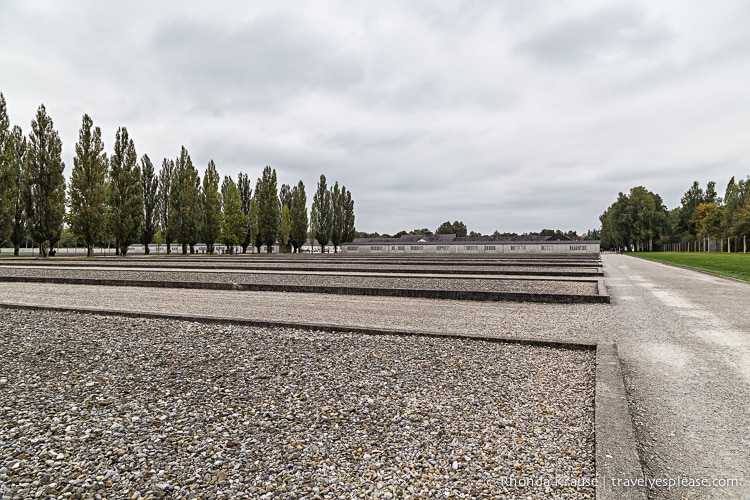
(416, 248)
(517, 248)
(470, 248)
(352, 249)
(443, 248)
(376, 248)
(489, 248)
(577, 248)
(401, 248)
(546, 248)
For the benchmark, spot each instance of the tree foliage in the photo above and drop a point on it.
(88, 188)
(457, 227)
(321, 224)
(44, 187)
(166, 178)
(269, 211)
(246, 195)
(635, 220)
(125, 195)
(298, 214)
(184, 202)
(16, 149)
(7, 177)
(210, 207)
(150, 196)
(233, 219)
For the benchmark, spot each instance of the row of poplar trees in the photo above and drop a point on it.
(123, 198)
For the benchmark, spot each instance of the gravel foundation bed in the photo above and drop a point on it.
(567, 287)
(112, 407)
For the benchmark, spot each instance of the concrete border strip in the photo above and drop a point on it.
(619, 473)
(469, 295)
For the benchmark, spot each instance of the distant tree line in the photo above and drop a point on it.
(639, 219)
(123, 199)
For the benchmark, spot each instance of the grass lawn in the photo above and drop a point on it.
(735, 265)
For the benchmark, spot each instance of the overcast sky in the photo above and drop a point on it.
(508, 115)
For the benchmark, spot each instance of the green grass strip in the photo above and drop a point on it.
(734, 265)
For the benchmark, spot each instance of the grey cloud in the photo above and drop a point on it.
(269, 58)
(615, 33)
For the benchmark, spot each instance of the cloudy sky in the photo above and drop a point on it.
(508, 115)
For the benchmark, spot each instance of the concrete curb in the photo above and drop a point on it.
(619, 473)
(550, 298)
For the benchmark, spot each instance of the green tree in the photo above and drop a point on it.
(185, 202)
(457, 227)
(734, 200)
(253, 216)
(211, 207)
(125, 195)
(7, 191)
(322, 215)
(285, 195)
(269, 213)
(707, 220)
(286, 226)
(150, 195)
(44, 189)
(17, 182)
(690, 201)
(166, 178)
(246, 195)
(634, 220)
(298, 213)
(337, 216)
(88, 187)
(234, 223)
(616, 224)
(349, 229)
(649, 216)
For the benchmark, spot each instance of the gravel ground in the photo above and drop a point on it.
(572, 267)
(568, 287)
(95, 407)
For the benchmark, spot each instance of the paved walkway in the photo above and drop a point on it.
(683, 337)
(684, 342)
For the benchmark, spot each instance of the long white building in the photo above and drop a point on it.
(452, 244)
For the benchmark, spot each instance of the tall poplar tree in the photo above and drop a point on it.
(165, 189)
(88, 188)
(125, 195)
(18, 150)
(348, 202)
(286, 227)
(7, 194)
(185, 202)
(210, 207)
(322, 226)
(150, 195)
(246, 195)
(337, 216)
(269, 212)
(44, 187)
(234, 223)
(298, 213)
(253, 217)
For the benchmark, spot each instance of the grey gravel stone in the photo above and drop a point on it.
(132, 408)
